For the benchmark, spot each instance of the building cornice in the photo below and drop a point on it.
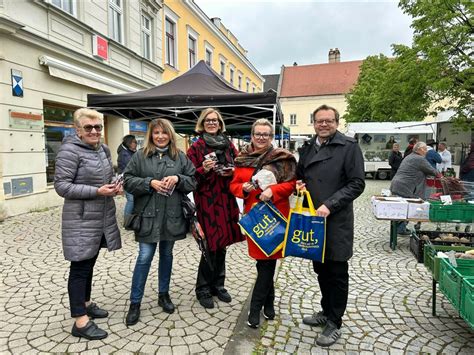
(207, 21)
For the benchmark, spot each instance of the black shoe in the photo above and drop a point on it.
(93, 311)
(329, 335)
(269, 311)
(90, 331)
(206, 301)
(133, 314)
(253, 320)
(164, 301)
(222, 295)
(316, 320)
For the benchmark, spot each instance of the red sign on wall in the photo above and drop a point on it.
(100, 47)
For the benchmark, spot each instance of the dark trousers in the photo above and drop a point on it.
(264, 289)
(333, 278)
(208, 281)
(80, 284)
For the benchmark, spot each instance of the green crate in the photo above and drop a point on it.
(466, 309)
(450, 278)
(432, 262)
(457, 212)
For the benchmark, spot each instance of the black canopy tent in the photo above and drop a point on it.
(182, 99)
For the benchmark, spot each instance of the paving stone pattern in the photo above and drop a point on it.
(389, 308)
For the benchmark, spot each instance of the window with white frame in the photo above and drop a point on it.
(66, 5)
(209, 53)
(222, 70)
(239, 82)
(293, 118)
(311, 118)
(231, 75)
(170, 42)
(208, 57)
(192, 51)
(253, 88)
(147, 37)
(247, 86)
(116, 20)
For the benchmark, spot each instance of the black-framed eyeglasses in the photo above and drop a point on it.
(211, 121)
(321, 122)
(262, 135)
(88, 128)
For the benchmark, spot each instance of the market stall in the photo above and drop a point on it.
(182, 99)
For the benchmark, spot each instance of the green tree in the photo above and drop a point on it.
(389, 89)
(438, 68)
(443, 38)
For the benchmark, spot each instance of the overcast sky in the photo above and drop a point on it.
(281, 32)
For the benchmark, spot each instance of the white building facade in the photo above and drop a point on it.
(52, 54)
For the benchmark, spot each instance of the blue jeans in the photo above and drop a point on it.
(129, 204)
(146, 252)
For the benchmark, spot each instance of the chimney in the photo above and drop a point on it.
(332, 56)
(216, 21)
(295, 64)
(337, 55)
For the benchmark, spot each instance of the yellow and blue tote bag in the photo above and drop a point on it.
(266, 226)
(305, 235)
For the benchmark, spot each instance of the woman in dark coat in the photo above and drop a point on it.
(125, 152)
(260, 154)
(217, 210)
(83, 172)
(158, 176)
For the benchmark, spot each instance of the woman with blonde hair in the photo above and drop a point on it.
(83, 164)
(260, 155)
(158, 176)
(217, 210)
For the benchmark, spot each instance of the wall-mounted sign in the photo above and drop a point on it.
(26, 120)
(17, 83)
(100, 47)
(22, 186)
(138, 126)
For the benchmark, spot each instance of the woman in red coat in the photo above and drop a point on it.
(217, 210)
(260, 156)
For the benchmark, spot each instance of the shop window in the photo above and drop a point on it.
(58, 123)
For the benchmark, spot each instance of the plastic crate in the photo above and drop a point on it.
(466, 309)
(432, 262)
(417, 244)
(457, 212)
(450, 278)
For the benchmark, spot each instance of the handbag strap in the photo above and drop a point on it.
(299, 202)
(147, 202)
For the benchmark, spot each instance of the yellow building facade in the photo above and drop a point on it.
(189, 36)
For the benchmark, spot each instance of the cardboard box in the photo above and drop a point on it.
(389, 207)
(418, 209)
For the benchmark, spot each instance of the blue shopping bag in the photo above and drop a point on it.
(305, 235)
(266, 226)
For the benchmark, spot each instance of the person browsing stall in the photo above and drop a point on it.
(125, 152)
(217, 210)
(83, 175)
(331, 168)
(257, 156)
(158, 176)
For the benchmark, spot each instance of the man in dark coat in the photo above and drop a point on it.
(332, 169)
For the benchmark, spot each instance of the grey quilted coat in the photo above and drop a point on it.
(86, 217)
(162, 216)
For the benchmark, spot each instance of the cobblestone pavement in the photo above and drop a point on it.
(389, 308)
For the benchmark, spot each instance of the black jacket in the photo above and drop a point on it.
(394, 160)
(124, 156)
(334, 176)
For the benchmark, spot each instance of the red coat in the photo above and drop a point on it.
(280, 191)
(217, 209)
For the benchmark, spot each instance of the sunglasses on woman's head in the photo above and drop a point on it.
(88, 128)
